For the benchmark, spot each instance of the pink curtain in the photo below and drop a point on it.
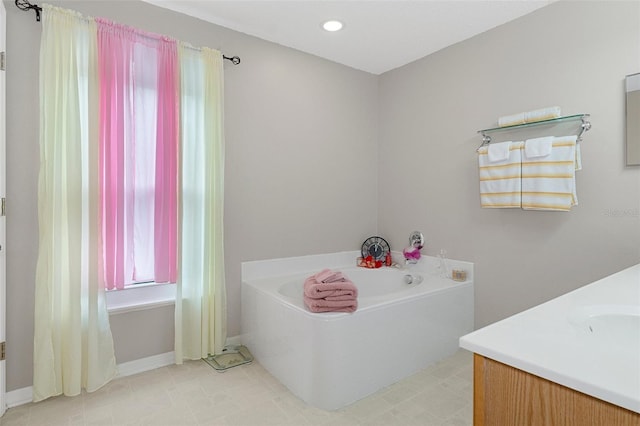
(166, 210)
(138, 82)
(115, 78)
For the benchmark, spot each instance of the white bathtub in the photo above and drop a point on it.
(330, 360)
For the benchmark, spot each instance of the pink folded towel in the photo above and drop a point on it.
(323, 305)
(329, 276)
(339, 289)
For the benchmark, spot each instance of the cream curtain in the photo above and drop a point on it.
(200, 321)
(73, 346)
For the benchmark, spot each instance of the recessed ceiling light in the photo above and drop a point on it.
(332, 25)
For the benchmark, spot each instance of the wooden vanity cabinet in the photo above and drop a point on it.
(507, 396)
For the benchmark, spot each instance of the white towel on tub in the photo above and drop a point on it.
(548, 183)
(500, 181)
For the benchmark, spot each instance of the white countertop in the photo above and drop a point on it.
(554, 341)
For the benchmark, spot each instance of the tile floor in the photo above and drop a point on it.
(195, 394)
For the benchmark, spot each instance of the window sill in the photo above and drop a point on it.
(140, 297)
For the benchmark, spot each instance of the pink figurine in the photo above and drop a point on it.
(412, 253)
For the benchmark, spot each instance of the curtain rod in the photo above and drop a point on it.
(26, 6)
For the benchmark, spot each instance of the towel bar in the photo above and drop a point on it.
(585, 126)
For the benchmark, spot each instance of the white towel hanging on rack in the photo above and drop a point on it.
(538, 147)
(500, 181)
(548, 183)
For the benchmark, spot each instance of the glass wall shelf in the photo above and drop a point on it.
(586, 125)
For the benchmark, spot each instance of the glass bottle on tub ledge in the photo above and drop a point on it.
(442, 269)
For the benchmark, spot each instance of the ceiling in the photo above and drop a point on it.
(378, 35)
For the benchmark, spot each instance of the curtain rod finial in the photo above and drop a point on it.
(25, 5)
(235, 59)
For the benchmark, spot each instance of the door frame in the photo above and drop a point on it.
(3, 186)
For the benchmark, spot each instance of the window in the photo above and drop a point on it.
(86, 117)
(139, 148)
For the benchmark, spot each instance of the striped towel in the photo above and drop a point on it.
(500, 181)
(542, 114)
(548, 183)
(529, 116)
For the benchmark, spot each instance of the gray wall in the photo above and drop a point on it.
(571, 54)
(303, 133)
(301, 138)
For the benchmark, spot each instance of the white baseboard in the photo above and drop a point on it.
(234, 340)
(19, 397)
(145, 364)
(25, 395)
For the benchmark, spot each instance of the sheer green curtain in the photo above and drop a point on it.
(200, 327)
(73, 346)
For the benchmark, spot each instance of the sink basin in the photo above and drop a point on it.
(619, 323)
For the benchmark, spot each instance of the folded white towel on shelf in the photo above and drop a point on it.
(530, 116)
(542, 114)
(538, 147)
(511, 120)
(500, 181)
(498, 151)
(548, 183)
